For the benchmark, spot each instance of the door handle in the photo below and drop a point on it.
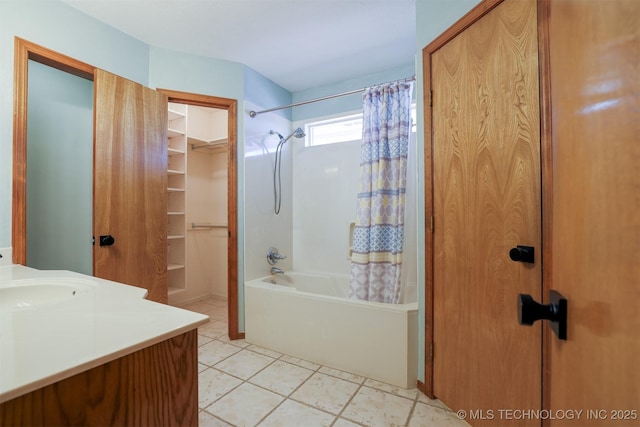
(107, 240)
(556, 312)
(522, 254)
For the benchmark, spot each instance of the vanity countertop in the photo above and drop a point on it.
(59, 336)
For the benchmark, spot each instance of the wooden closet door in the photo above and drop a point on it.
(486, 186)
(130, 184)
(595, 93)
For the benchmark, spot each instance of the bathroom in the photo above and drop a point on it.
(258, 229)
(158, 67)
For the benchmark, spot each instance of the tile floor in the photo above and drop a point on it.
(245, 385)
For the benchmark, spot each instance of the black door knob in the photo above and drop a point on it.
(522, 254)
(556, 312)
(107, 240)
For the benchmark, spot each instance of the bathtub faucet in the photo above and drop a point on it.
(273, 256)
(276, 270)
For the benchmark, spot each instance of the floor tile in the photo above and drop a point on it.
(246, 405)
(241, 384)
(291, 413)
(300, 362)
(325, 392)
(281, 377)
(264, 351)
(341, 422)
(220, 316)
(342, 375)
(207, 420)
(244, 364)
(237, 343)
(215, 351)
(411, 393)
(437, 403)
(214, 329)
(202, 340)
(426, 416)
(213, 384)
(376, 408)
(199, 307)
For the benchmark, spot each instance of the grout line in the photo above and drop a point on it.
(411, 411)
(349, 402)
(216, 417)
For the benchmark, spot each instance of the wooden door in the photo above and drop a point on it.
(595, 93)
(130, 184)
(486, 200)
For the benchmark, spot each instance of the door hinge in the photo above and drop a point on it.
(93, 240)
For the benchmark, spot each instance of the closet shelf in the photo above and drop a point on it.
(171, 267)
(173, 114)
(175, 237)
(201, 143)
(175, 213)
(174, 132)
(175, 290)
(175, 172)
(174, 151)
(172, 189)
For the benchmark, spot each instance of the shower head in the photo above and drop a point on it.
(298, 133)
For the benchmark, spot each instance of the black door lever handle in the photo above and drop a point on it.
(556, 312)
(522, 254)
(107, 240)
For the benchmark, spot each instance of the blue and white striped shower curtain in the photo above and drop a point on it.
(376, 259)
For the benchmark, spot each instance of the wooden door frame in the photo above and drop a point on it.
(461, 25)
(23, 52)
(231, 105)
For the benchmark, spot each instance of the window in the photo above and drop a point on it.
(345, 128)
(339, 129)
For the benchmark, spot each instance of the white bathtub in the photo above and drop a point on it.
(309, 316)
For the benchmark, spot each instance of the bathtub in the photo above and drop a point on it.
(309, 316)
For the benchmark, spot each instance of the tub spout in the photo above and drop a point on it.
(276, 270)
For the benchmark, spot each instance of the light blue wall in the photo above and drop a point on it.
(60, 28)
(59, 170)
(432, 18)
(263, 92)
(174, 70)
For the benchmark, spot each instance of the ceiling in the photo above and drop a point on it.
(298, 44)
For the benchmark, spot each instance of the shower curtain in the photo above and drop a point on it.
(376, 259)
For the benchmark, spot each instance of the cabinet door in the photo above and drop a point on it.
(130, 184)
(596, 210)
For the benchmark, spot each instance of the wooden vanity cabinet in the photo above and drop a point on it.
(154, 386)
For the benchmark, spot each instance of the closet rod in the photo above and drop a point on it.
(351, 92)
(208, 226)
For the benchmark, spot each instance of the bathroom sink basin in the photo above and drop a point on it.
(21, 294)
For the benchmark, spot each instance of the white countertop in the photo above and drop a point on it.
(46, 343)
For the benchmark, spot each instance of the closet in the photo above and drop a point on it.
(197, 202)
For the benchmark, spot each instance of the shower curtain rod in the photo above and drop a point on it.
(252, 113)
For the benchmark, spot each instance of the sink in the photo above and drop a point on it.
(21, 294)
